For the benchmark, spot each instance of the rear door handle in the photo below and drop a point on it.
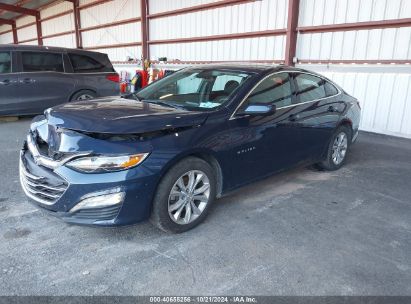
(27, 81)
(294, 117)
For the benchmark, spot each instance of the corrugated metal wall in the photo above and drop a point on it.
(225, 20)
(264, 48)
(385, 99)
(392, 43)
(26, 32)
(109, 12)
(384, 91)
(7, 37)
(58, 25)
(159, 6)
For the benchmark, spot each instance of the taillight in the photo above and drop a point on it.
(113, 78)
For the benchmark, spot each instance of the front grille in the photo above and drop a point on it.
(41, 188)
(98, 214)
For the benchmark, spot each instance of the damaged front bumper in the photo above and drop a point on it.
(104, 199)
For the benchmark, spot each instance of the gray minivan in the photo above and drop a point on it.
(34, 78)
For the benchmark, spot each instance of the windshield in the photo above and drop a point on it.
(194, 89)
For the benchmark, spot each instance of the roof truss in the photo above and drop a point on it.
(6, 21)
(17, 9)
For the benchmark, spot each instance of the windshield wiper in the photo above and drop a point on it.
(158, 102)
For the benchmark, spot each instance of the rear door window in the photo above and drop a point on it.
(275, 89)
(309, 87)
(42, 62)
(5, 62)
(87, 64)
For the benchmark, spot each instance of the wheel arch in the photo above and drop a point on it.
(213, 162)
(346, 122)
(205, 155)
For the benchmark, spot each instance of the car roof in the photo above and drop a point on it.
(19, 47)
(250, 67)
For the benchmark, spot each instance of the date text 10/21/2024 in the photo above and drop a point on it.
(203, 299)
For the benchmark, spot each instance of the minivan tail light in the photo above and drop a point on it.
(113, 78)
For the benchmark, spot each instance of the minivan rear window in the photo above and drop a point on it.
(5, 62)
(42, 62)
(87, 64)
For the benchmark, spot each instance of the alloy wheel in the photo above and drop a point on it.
(189, 197)
(339, 148)
(84, 97)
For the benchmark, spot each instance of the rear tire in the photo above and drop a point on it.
(83, 95)
(184, 196)
(337, 149)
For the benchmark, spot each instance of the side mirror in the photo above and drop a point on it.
(258, 109)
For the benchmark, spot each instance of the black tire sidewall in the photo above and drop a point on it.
(329, 164)
(159, 215)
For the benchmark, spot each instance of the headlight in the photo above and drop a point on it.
(96, 164)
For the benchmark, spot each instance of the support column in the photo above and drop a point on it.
(14, 29)
(144, 29)
(77, 24)
(39, 31)
(291, 39)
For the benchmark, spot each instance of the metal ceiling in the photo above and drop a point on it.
(30, 4)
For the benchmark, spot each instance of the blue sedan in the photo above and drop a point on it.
(167, 152)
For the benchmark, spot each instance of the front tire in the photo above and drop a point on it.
(184, 196)
(337, 149)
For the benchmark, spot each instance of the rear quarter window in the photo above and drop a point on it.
(88, 64)
(330, 89)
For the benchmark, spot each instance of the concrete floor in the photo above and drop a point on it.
(302, 232)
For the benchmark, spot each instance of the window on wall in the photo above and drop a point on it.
(5, 62)
(275, 89)
(42, 62)
(309, 87)
(87, 64)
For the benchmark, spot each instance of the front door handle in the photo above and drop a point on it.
(27, 81)
(294, 117)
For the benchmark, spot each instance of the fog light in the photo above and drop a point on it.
(99, 200)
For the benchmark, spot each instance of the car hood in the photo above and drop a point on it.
(116, 115)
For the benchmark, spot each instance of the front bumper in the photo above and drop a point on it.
(58, 190)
